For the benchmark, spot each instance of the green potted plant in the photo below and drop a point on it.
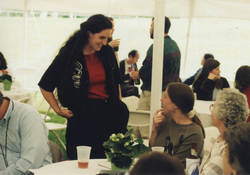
(123, 149)
(6, 79)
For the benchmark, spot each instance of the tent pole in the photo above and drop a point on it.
(157, 67)
(41, 39)
(191, 14)
(25, 16)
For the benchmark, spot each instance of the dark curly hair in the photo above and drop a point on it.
(75, 44)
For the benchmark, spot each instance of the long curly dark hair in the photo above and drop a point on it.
(76, 42)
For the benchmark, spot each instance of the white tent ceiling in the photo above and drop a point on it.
(173, 8)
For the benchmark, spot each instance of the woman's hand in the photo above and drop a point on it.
(212, 76)
(65, 113)
(114, 43)
(158, 118)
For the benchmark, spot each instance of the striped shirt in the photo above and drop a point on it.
(212, 162)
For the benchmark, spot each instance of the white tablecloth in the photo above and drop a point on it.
(203, 112)
(16, 93)
(71, 168)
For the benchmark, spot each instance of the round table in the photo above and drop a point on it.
(16, 93)
(71, 167)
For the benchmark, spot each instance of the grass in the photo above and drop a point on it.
(57, 119)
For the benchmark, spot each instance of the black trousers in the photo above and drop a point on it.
(91, 128)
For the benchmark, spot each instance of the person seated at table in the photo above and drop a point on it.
(3, 65)
(128, 87)
(209, 82)
(157, 163)
(189, 81)
(229, 109)
(180, 123)
(242, 82)
(24, 138)
(237, 157)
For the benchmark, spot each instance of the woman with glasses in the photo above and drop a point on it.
(242, 82)
(178, 120)
(209, 82)
(229, 109)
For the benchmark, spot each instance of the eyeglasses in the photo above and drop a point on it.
(211, 107)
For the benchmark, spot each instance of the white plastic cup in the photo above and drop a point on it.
(83, 154)
(157, 149)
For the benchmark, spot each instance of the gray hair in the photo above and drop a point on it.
(1, 98)
(232, 107)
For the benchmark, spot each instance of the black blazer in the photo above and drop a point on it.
(124, 76)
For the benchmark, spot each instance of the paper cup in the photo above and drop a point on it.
(157, 149)
(83, 154)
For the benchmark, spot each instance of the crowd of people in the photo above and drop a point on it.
(87, 79)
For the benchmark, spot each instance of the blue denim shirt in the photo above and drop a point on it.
(27, 140)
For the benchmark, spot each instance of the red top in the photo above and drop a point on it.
(97, 78)
(247, 93)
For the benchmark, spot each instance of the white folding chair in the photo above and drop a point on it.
(139, 118)
(26, 71)
(36, 89)
(23, 100)
(131, 102)
(55, 127)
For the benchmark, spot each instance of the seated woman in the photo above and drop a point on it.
(209, 82)
(182, 125)
(242, 82)
(236, 161)
(157, 163)
(229, 109)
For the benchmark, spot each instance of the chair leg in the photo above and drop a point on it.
(58, 138)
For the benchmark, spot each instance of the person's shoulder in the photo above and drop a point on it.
(25, 110)
(122, 61)
(223, 79)
(195, 128)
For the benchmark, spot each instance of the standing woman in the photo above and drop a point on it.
(180, 123)
(87, 79)
(209, 82)
(242, 82)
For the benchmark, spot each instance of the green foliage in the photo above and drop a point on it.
(124, 148)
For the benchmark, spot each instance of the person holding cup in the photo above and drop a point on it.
(87, 78)
(114, 43)
(209, 82)
(178, 120)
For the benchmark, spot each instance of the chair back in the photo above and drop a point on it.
(139, 118)
(23, 100)
(131, 102)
